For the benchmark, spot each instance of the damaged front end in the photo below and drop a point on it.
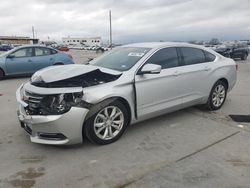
(92, 78)
(54, 104)
(59, 96)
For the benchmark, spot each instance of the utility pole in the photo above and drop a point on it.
(110, 29)
(33, 32)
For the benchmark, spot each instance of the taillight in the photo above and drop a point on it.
(236, 66)
(70, 56)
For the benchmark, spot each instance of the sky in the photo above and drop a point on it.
(132, 21)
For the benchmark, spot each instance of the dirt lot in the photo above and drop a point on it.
(188, 148)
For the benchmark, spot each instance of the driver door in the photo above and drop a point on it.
(162, 92)
(20, 61)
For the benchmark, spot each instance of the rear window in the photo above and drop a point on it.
(209, 57)
(192, 55)
(53, 51)
(42, 51)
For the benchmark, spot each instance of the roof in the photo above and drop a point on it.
(161, 44)
(66, 38)
(33, 45)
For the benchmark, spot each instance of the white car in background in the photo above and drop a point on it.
(63, 104)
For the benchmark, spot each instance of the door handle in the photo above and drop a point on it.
(29, 61)
(207, 69)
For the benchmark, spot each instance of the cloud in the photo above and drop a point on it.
(148, 20)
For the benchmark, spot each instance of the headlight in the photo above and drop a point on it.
(61, 103)
(36, 78)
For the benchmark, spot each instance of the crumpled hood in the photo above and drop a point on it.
(62, 72)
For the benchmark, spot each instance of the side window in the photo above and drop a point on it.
(53, 51)
(209, 57)
(166, 57)
(46, 51)
(192, 55)
(24, 52)
(42, 51)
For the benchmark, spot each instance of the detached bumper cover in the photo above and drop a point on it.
(69, 124)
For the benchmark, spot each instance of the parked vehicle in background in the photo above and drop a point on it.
(48, 43)
(62, 48)
(26, 60)
(5, 47)
(124, 86)
(234, 51)
(101, 49)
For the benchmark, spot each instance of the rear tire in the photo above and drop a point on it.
(107, 124)
(244, 57)
(217, 96)
(1, 74)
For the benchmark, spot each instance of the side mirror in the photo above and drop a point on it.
(150, 69)
(11, 56)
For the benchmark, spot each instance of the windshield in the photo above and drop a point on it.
(120, 59)
(8, 52)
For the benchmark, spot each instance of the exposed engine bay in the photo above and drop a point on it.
(54, 104)
(92, 78)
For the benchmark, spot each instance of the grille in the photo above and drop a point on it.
(34, 102)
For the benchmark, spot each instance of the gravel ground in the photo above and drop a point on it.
(187, 148)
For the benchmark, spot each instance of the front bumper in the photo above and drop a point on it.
(52, 129)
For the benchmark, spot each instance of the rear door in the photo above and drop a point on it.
(43, 58)
(197, 66)
(20, 62)
(156, 93)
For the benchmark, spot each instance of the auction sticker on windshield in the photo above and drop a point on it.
(136, 54)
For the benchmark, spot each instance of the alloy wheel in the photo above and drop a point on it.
(218, 95)
(108, 122)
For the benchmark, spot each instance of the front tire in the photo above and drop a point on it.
(217, 96)
(244, 57)
(108, 124)
(1, 74)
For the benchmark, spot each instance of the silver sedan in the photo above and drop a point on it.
(63, 104)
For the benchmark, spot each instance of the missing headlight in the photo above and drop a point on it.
(61, 103)
(54, 104)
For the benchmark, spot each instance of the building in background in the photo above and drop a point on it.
(81, 41)
(17, 40)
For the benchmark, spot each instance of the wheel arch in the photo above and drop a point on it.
(97, 106)
(58, 63)
(225, 81)
(126, 104)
